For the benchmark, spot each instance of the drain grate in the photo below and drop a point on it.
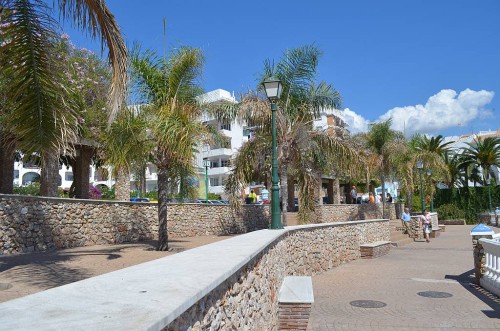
(435, 294)
(5, 286)
(367, 304)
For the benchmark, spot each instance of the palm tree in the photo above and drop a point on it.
(383, 141)
(126, 145)
(170, 88)
(485, 153)
(42, 115)
(299, 146)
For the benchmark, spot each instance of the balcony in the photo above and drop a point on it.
(218, 171)
(218, 152)
(216, 189)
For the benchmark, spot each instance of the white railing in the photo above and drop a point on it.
(491, 277)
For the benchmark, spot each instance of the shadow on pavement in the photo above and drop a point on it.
(467, 280)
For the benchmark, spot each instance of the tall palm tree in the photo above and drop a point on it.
(300, 103)
(170, 87)
(42, 114)
(485, 153)
(382, 140)
(126, 145)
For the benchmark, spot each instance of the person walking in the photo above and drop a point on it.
(389, 198)
(265, 195)
(426, 223)
(354, 195)
(371, 198)
(406, 220)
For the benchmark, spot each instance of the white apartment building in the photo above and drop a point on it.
(220, 156)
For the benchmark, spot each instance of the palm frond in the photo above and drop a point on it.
(43, 115)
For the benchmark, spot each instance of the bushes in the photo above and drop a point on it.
(32, 189)
(450, 212)
(470, 200)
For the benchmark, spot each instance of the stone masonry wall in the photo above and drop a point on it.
(248, 300)
(29, 224)
(345, 212)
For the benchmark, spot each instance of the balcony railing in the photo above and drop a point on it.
(218, 171)
(218, 152)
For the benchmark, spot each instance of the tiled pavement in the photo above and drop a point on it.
(443, 265)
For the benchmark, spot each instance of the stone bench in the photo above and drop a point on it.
(294, 303)
(375, 249)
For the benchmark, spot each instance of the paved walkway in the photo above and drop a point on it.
(443, 265)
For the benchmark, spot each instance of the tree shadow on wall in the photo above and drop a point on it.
(467, 280)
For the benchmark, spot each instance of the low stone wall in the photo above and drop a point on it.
(248, 299)
(232, 284)
(452, 222)
(345, 212)
(29, 224)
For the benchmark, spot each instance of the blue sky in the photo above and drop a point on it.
(387, 58)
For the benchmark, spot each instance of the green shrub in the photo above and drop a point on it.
(152, 195)
(450, 212)
(107, 193)
(32, 189)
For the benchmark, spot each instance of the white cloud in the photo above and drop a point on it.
(446, 109)
(356, 122)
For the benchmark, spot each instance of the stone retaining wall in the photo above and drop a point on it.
(345, 212)
(248, 299)
(29, 224)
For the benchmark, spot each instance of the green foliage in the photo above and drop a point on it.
(107, 193)
(213, 196)
(450, 212)
(469, 199)
(152, 195)
(32, 189)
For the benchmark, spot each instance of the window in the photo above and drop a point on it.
(16, 174)
(68, 176)
(214, 164)
(225, 163)
(214, 181)
(225, 126)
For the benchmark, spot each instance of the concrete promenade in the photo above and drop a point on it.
(443, 265)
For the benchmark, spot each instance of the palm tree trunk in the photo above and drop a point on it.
(409, 200)
(382, 178)
(49, 174)
(81, 172)
(319, 189)
(162, 208)
(367, 178)
(291, 194)
(336, 190)
(143, 181)
(122, 185)
(7, 158)
(284, 193)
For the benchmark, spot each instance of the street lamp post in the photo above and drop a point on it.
(488, 181)
(273, 89)
(206, 164)
(429, 173)
(420, 167)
